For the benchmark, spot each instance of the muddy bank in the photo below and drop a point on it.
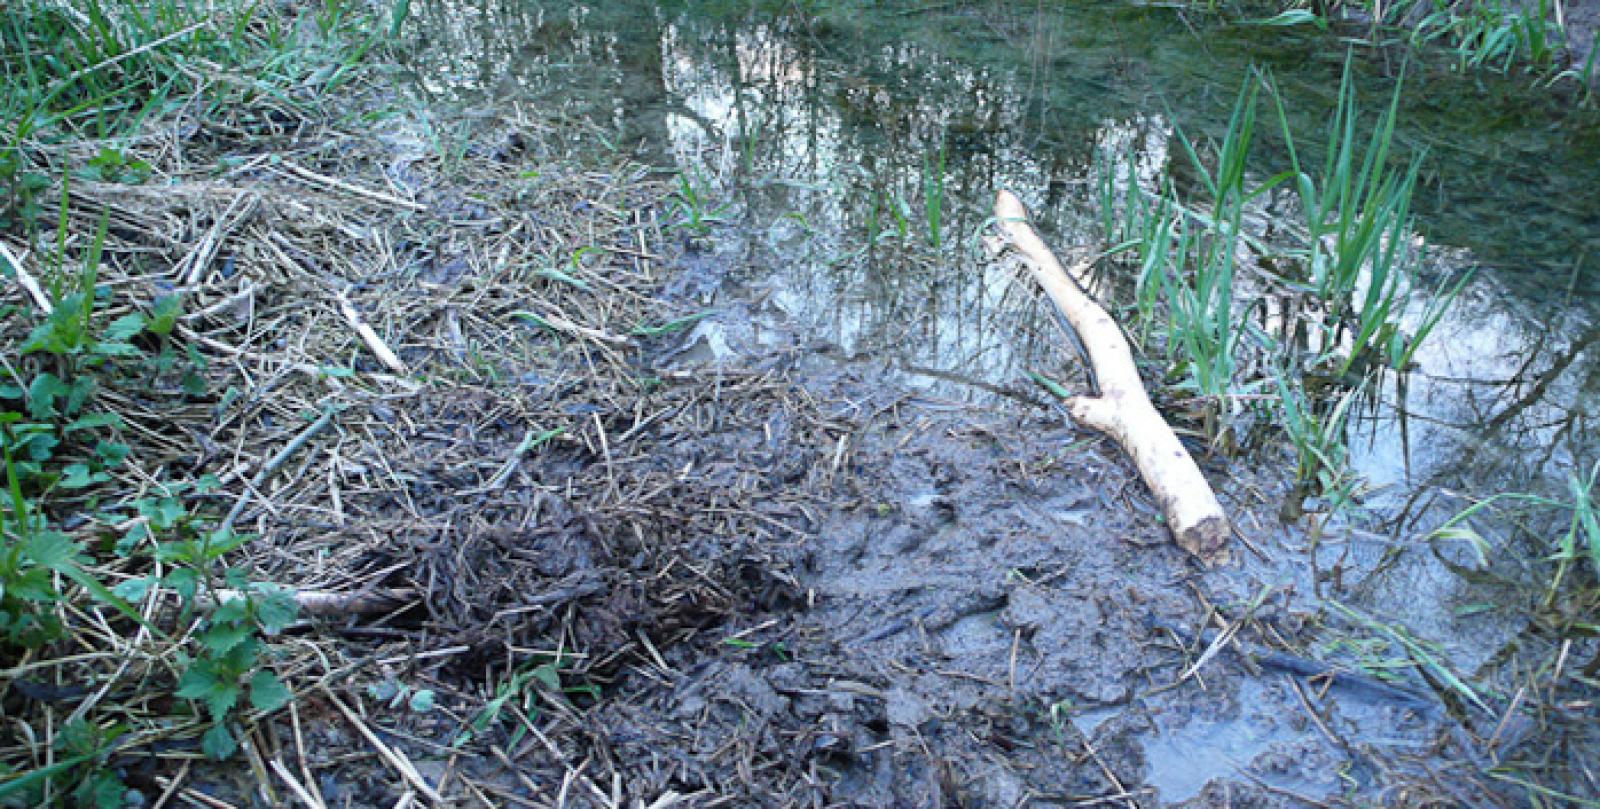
(682, 500)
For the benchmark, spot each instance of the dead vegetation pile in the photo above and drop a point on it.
(423, 391)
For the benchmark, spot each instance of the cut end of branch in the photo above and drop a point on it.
(1206, 539)
(1008, 208)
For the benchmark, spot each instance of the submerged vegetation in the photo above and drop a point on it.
(1497, 35)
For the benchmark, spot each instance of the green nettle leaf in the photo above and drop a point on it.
(276, 607)
(124, 328)
(132, 538)
(110, 349)
(33, 584)
(237, 578)
(221, 542)
(111, 453)
(78, 737)
(93, 421)
(164, 315)
(42, 395)
(267, 692)
(78, 476)
(218, 743)
(40, 446)
(221, 638)
(107, 790)
(205, 683)
(51, 549)
(135, 589)
(163, 512)
(184, 581)
(232, 611)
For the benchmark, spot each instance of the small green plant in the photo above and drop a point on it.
(521, 689)
(933, 179)
(1317, 432)
(1492, 34)
(692, 205)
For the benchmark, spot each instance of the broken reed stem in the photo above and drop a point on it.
(369, 336)
(271, 467)
(28, 283)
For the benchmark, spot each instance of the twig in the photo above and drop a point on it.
(172, 785)
(309, 176)
(278, 460)
(370, 337)
(324, 603)
(401, 764)
(26, 281)
(193, 266)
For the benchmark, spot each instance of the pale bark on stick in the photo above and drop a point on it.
(26, 281)
(370, 337)
(1123, 410)
(325, 604)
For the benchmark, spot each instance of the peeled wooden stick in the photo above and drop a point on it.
(370, 337)
(25, 280)
(1123, 410)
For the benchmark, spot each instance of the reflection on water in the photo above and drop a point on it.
(841, 139)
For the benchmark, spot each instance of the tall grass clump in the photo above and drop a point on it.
(1358, 259)
(93, 72)
(1348, 274)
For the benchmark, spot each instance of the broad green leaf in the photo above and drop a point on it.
(218, 742)
(222, 637)
(93, 421)
(185, 581)
(276, 607)
(51, 549)
(135, 590)
(78, 476)
(164, 315)
(111, 453)
(202, 683)
(267, 692)
(43, 393)
(124, 328)
(232, 611)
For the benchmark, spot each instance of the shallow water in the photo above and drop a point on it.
(827, 144)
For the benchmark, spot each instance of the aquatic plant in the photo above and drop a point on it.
(1490, 33)
(933, 195)
(1357, 257)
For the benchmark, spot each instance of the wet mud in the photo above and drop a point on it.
(802, 582)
